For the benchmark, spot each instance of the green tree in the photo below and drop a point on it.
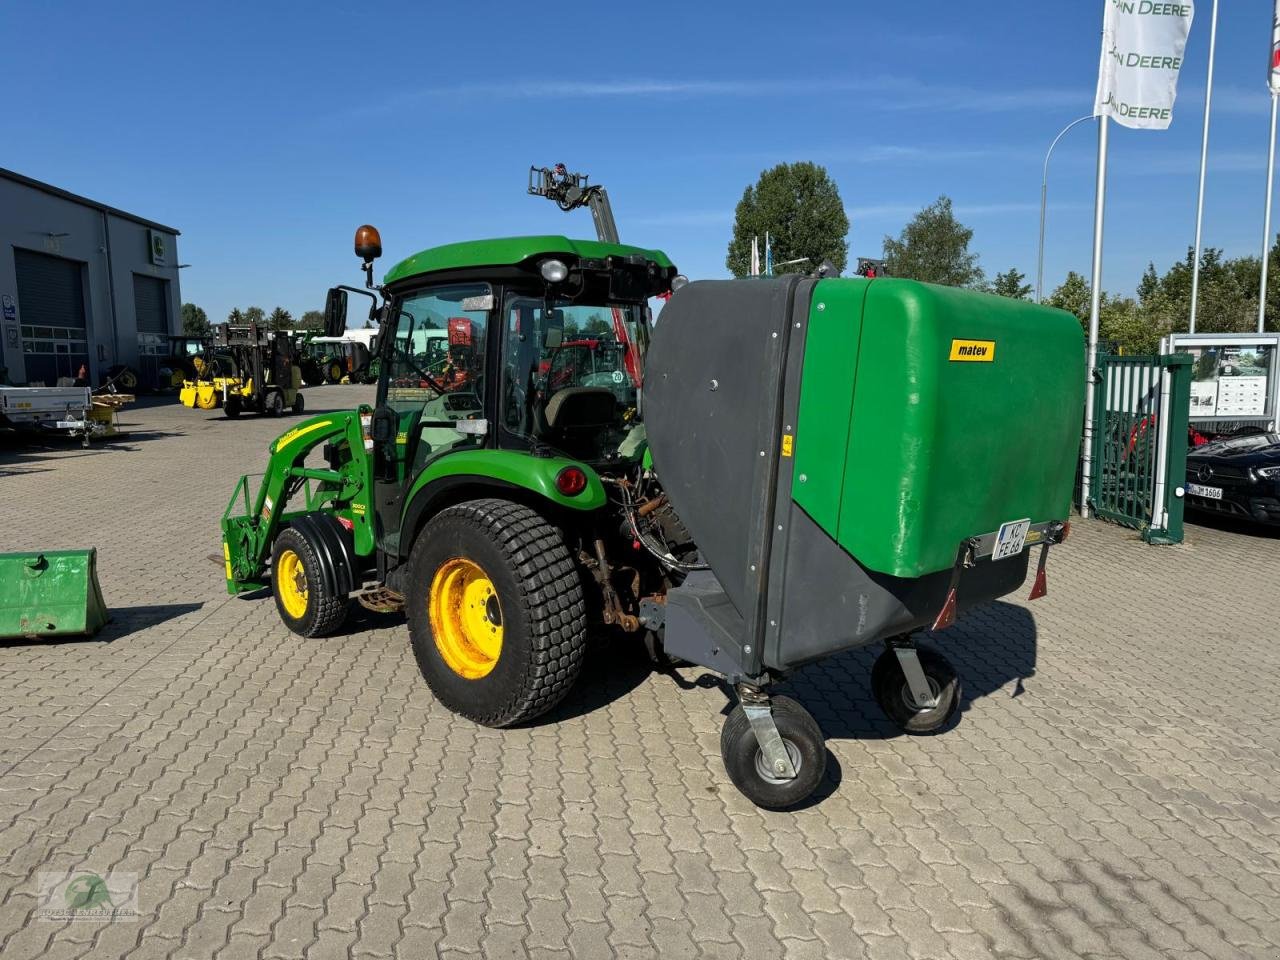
(255, 315)
(236, 316)
(799, 206)
(934, 247)
(1072, 296)
(281, 319)
(195, 322)
(1011, 284)
(312, 320)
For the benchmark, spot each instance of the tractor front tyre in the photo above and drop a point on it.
(333, 372)
(889, 686)
(298, 403)
(497, 618)
(233, 406)
(305, 603)
(745, 764)
(275, 403)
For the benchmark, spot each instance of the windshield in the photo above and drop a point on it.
(576, 369)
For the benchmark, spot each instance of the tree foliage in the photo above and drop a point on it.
(195, 322)
(312, 320)
(1012, 283)
(281, 319)
(255, 315)
(235, 316)
(799, 206)
(934, 247)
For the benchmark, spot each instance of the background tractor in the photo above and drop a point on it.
(782, 469)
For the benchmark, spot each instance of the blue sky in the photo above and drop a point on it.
(268, 132)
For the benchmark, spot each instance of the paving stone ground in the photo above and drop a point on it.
(1111, 789)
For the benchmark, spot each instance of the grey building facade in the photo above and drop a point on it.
(82, 285)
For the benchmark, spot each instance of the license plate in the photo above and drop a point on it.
(1209, 493)
(1010, 539)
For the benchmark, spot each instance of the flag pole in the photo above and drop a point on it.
(1266, 216)
(1095, 307)
(1204, 159)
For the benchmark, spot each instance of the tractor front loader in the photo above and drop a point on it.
(784, 468)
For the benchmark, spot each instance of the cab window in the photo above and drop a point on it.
(436, 369)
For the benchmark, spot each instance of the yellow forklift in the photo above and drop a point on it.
(265, 375)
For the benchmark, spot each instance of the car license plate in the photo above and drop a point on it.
(1209, 493)
(1010, 539)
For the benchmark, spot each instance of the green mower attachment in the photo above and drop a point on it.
(54, 593)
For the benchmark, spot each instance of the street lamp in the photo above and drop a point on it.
(1044, 192)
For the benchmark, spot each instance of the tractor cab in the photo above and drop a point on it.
(533, 345)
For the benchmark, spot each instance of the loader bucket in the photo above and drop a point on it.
(50, 594)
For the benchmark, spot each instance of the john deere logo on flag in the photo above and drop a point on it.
(982, 351)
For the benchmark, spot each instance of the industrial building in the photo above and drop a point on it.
(82, 285)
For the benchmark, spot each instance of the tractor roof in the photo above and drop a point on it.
(510, 251)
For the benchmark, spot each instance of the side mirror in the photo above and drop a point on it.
(335, 313)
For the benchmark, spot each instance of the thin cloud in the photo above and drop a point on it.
(902, 211)
(684, 218)
(883, 92)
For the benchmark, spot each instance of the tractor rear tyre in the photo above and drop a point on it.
(298, 403)
(305, 603)
(889, 686)
(233, 406)
(744, 761)
(275, 403)
(333, 372)
(497, 618)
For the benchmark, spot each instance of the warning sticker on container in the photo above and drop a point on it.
(982, 351)
(788, 444)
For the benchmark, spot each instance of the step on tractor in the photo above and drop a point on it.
(779, 470)
(249, 369)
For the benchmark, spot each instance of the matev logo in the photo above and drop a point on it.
(983, 351)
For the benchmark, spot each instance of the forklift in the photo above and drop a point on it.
(254, 369)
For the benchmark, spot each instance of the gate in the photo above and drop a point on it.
(1139, 452)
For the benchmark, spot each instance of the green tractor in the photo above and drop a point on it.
(781, 469)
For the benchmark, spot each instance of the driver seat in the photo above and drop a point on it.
(573, 416)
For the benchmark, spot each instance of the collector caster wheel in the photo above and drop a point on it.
(275, 403)
(305, 604)
(496, 614)
(745, 763)
(298, 403)
(889, 686)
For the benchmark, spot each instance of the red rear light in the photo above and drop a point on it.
(571, 481)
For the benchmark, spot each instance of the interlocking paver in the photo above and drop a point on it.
(1110, 789)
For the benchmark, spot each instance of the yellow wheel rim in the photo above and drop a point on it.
(466, 618)
(291, 582)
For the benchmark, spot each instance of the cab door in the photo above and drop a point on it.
(434, 375)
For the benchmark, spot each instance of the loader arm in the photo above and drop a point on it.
(289, 489)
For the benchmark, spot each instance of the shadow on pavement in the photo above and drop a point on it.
(1229, 524)
(124, 622)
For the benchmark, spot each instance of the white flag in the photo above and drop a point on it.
(755, 256)
(1273, 76)
(1142, 45)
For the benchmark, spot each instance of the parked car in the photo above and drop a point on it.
(1239, 477)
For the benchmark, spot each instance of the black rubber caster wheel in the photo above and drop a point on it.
(745, 764)
(298, 403)
(889, 686)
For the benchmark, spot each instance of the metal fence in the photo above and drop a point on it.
(1140, 443)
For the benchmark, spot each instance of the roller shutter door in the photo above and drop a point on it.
(151, 304)
(51, 308)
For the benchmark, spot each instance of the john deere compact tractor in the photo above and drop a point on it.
(779, 470)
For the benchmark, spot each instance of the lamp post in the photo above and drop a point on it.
(1044, 193)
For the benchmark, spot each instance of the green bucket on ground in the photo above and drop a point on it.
(54, 593)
